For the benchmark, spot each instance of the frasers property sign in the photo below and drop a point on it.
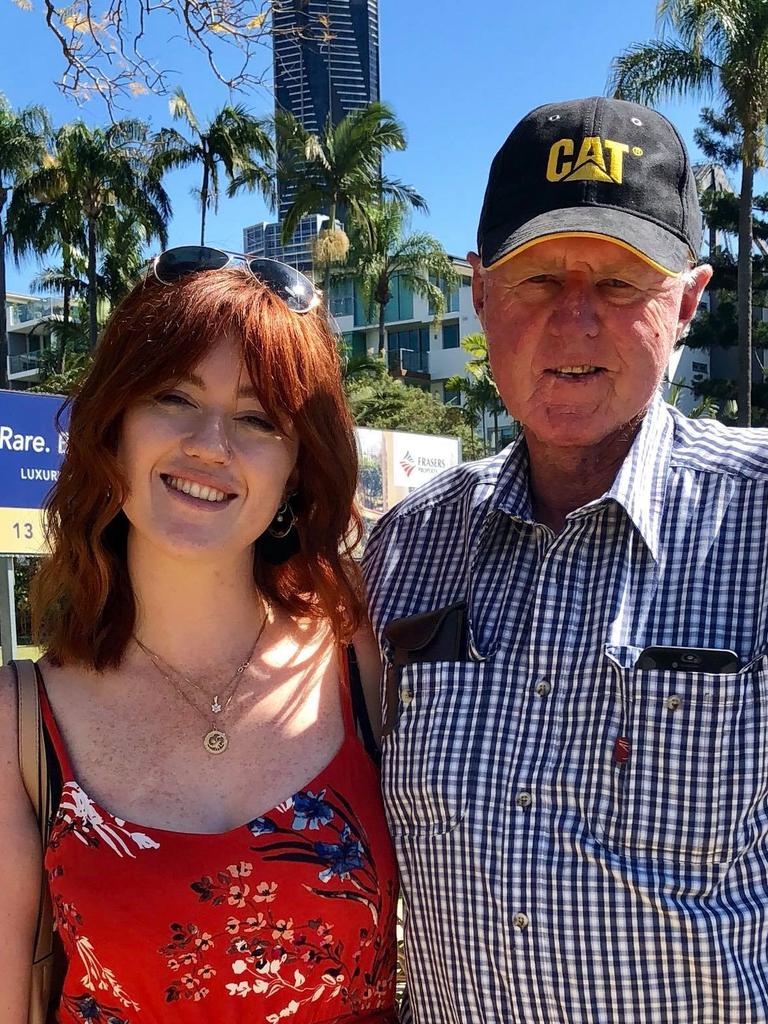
(418, 458)
(393, 463)
(31, 450)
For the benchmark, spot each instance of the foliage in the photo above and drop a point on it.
(479, 391)
(104, 176)
(103, 44)
(380, 251)
(339, 168)
(233, 139)
(22, 147)
(383, 403)
(714, 46)
(67, 381)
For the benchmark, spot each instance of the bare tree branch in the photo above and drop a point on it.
(103, 43)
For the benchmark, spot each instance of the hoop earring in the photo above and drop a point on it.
(284, 521)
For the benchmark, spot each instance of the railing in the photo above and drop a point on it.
(406, 360)
(34, 309)
(24, 362)
(343, 305)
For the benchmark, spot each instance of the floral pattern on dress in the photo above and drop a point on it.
(299, 959)
(97, 977)
(79, 816)
(87, 1008)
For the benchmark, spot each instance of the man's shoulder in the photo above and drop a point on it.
(709, 446)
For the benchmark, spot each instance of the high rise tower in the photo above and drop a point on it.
(326, 61)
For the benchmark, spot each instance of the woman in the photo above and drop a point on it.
(220, 851)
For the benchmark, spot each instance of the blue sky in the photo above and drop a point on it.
(458, 74)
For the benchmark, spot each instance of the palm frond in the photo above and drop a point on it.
(651, 72)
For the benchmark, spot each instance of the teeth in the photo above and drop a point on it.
(195, 490)
(576, 369)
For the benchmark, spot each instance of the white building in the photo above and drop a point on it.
(29, 321)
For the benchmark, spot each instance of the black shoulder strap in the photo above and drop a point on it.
(360, 708)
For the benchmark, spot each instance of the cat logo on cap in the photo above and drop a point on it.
(598, 160)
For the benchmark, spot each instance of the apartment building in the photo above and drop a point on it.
(30, 321)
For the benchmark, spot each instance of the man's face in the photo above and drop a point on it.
(579, 334)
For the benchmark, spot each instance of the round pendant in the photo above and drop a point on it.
(215, 741)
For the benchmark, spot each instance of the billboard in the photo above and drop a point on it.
(31, 450)
(394, 463)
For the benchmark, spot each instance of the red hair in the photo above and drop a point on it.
(84, 609)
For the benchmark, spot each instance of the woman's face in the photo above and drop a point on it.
(206, 468)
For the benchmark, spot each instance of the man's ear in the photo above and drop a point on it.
(696, 280)
(478, 284)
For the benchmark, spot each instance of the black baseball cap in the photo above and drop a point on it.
(595, 167)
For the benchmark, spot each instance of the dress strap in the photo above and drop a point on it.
(345, 692)
(52, 729)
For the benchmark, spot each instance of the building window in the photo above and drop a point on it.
(408, 350)
(451, 335)
(451, 296)
(451, 397)
(400, 305)
(699, 367)
(355, 344)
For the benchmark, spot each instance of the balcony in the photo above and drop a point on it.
(19, 313)
(406, 362)
(342, 305)
(24, 363)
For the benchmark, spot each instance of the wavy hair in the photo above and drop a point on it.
(84, 608)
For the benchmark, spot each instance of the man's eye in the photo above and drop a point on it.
(539, 279)
(615, 282)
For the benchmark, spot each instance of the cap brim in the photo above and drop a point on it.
(655, 245)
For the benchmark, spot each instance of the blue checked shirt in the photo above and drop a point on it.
(546, 878)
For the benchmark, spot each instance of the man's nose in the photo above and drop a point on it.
(574, 311)
(209, 440)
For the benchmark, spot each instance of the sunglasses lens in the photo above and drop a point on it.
(296, 290)
(186, 259)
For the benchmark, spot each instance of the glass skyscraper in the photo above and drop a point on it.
(326, 61)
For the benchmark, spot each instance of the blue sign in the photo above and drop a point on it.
(31, 451)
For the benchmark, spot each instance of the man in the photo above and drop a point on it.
(580, 807)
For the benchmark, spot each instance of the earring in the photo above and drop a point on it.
(284, 521)
(280, 541)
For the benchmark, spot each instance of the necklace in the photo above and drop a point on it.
(215, 740)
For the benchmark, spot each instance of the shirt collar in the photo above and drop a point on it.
(639, 487)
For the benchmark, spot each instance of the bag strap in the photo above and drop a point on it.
(33, 763)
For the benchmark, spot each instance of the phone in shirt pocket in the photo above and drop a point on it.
(696, 764)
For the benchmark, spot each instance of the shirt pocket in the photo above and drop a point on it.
(427, 760)
(696, 770)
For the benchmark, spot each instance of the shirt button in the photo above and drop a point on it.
(673, 702)
(520, 921)
(524, 800)
(543, 688)
(406, 696)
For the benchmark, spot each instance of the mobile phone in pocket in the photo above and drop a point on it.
(689, 659)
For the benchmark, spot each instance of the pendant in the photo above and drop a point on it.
(215, 741)
(215, 706)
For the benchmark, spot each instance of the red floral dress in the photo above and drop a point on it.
(288, 917)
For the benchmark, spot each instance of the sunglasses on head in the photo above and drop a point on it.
(296, 290)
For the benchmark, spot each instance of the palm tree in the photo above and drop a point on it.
(379, 252)
(42, 225)
(481, 396)
(22, 146)
(233, 139)
(104, 174)
(339, 169)
(720, 45)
